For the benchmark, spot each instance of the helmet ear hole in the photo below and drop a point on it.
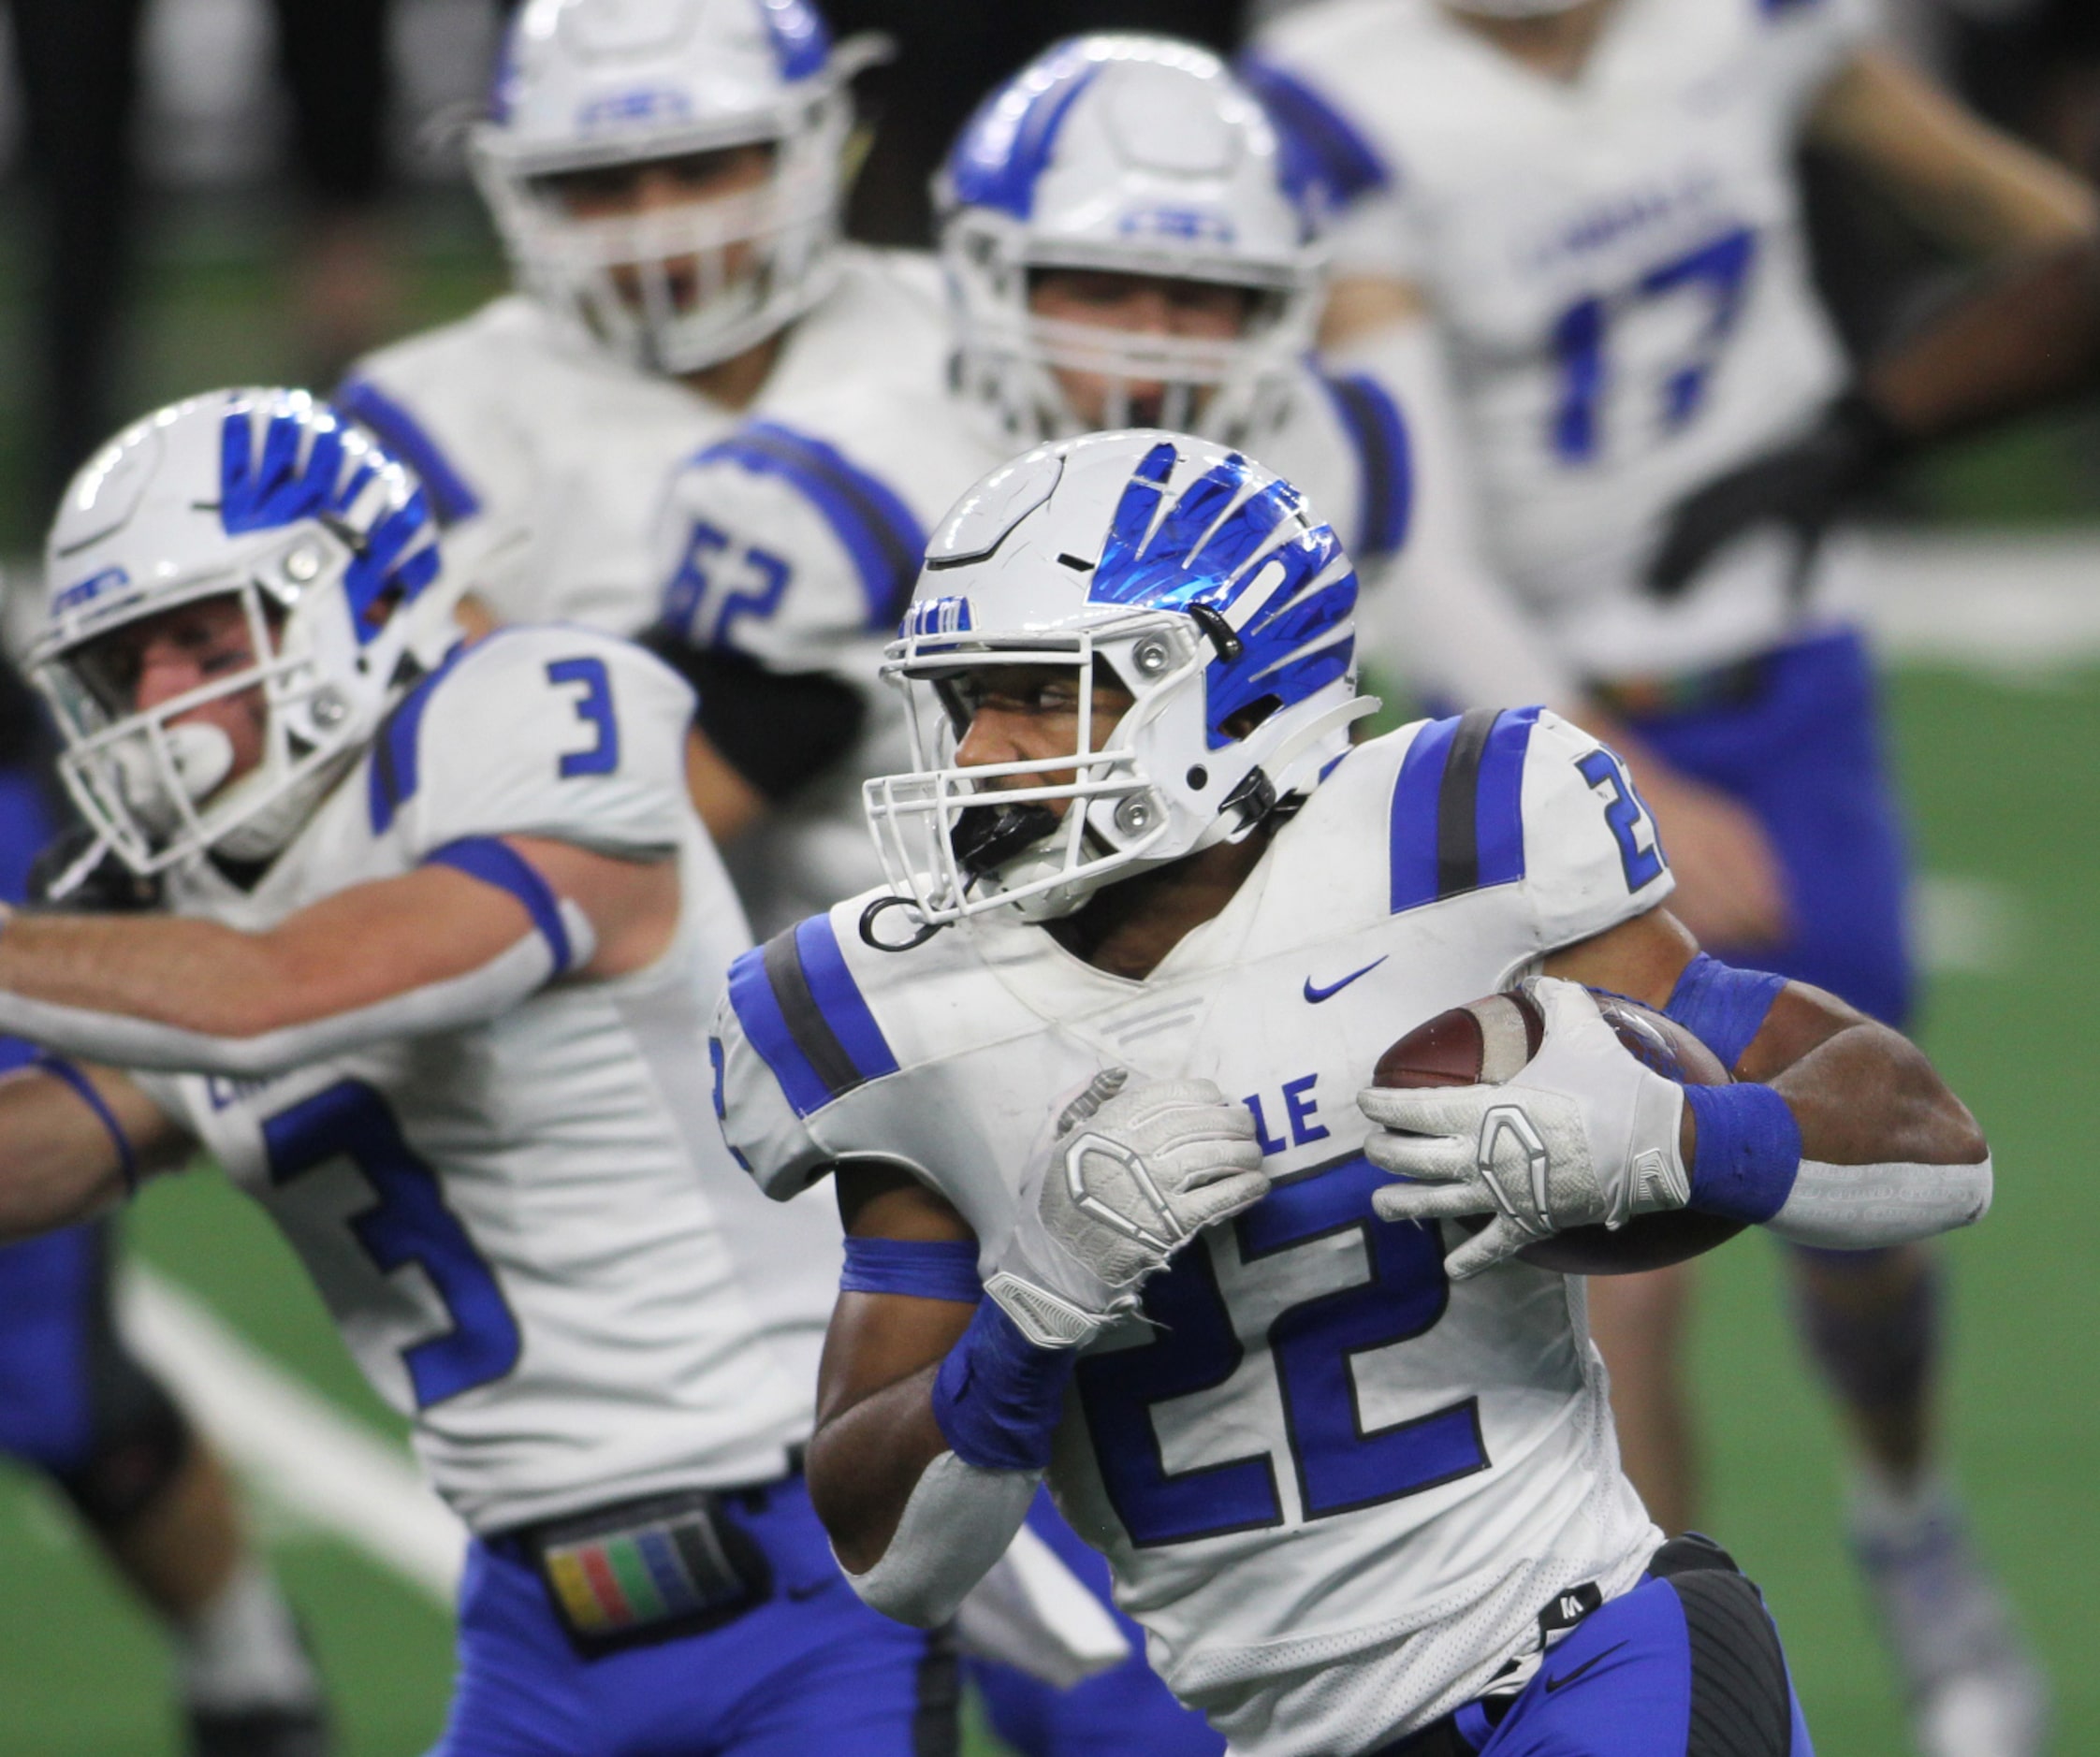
(1241, 721)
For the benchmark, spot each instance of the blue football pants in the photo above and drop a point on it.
(1690, 1666)
(811, 1673)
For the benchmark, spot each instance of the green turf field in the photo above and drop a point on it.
(2005, 781)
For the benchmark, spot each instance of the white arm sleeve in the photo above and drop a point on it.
(956, 1525)
(1858, 1207)
(1441, 616)
(124, 1041)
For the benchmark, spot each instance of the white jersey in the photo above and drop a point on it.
(795, 542)
(1336, 1491)
(546, 455)
(1618, 264)
(529, 1230)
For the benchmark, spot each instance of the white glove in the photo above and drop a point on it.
(1133, 1174)
(1585, 1133)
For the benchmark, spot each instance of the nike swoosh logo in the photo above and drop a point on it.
(1318, 994)
(1569, 1678)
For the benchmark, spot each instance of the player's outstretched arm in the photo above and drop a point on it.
(1838, 1132)
(73, 1140)
(482, 924)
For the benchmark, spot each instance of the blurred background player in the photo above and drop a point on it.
(77, 1406)
(1122, 240)
(1593, 201)
(667, 176)
(487, 1135)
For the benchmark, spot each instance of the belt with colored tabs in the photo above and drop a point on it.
(647, 1570)
(1734, 685)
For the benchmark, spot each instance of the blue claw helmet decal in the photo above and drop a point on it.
(1175, 573)
(1290, 620)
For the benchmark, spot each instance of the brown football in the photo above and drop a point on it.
(1489, 1041)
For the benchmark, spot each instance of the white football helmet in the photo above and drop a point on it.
(328, 544)
(1140, 156)
(1209, 589)
(590, 84)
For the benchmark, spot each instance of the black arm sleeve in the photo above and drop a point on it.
(776, 729)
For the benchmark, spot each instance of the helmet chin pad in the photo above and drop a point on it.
(199, 758)
(985, 837)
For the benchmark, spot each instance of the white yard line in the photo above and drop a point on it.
(298, 1449)
(2014, 606)
(1970, 926)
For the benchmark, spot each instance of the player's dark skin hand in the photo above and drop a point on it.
(1801, 487)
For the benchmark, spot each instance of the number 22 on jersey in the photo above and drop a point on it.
(1393, 1291)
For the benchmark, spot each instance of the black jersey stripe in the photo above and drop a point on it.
(805, 1023)
(1458, 813)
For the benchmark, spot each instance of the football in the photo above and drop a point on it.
(1490, 1040)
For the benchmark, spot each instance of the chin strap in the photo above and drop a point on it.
(71, 879)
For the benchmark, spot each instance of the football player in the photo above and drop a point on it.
(1121, 238)
(430, 982)
(80, 1407)
(1594, 202)
(1099, 1048)
(667, 176)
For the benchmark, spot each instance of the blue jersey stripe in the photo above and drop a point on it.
(1457, 822)
(1413, 827)
(393, 774)
(878, 529)
(1498, 808)
(840, 1000)
(758, 1010)
(494, 862)
(1385, 463)
(1321, 146)
(402, 434)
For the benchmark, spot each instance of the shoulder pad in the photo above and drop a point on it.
(552, 731)
(777, 545)
(1519, 798)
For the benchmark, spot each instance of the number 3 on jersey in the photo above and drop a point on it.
(594, 708)
(408, 1226)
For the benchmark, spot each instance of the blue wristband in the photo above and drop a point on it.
(84, 1088)
(924, 1270)
(1746, 1153)
(997, 1397)
(1723, 1007)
